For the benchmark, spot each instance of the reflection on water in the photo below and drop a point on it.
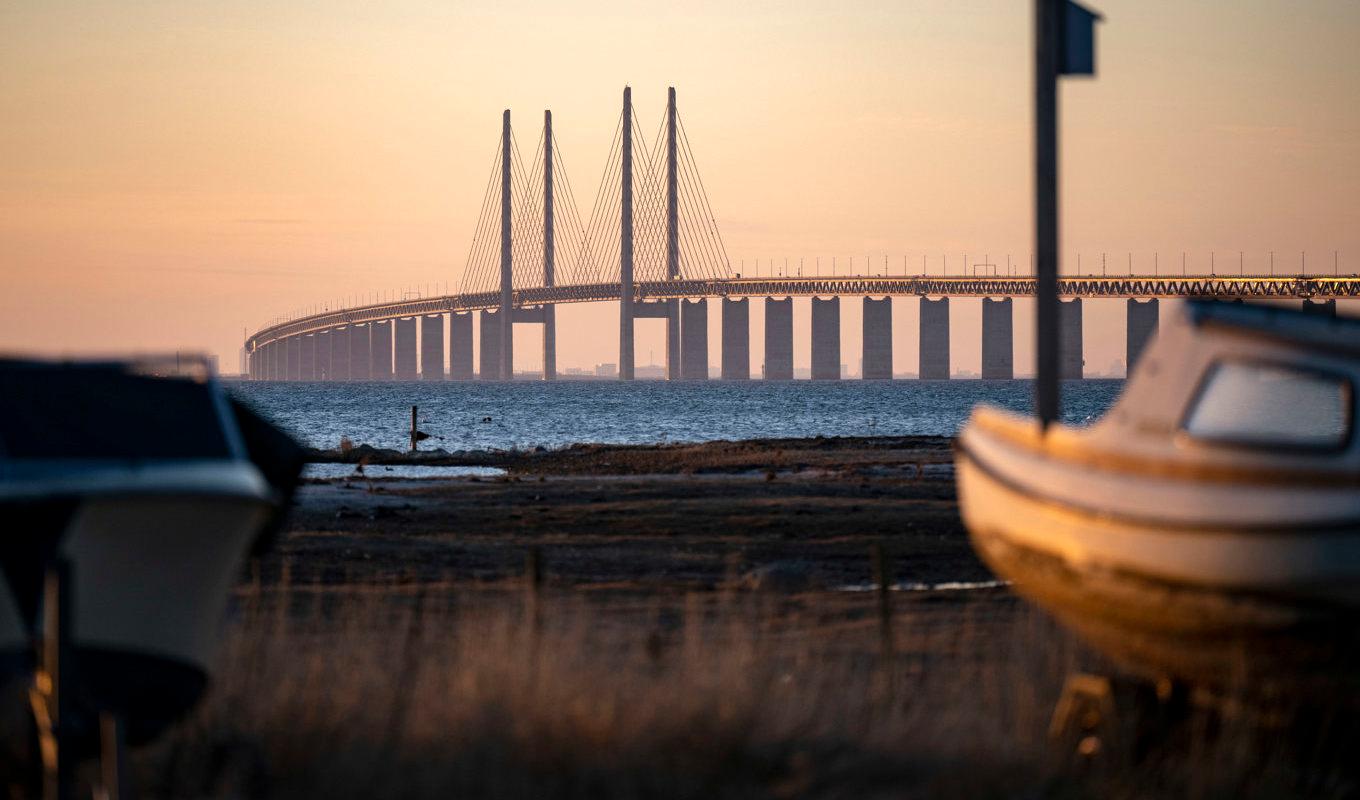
(398, 471)
(527, 414)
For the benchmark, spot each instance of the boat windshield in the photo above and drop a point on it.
(1272, 405)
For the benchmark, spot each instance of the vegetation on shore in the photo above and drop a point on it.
(408, 691)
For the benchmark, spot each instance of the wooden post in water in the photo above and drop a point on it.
(415, 434)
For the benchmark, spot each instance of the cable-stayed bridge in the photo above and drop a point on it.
(651, 242)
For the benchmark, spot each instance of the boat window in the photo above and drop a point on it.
(1272, 405)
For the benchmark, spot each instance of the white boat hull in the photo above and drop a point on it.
(1166, 575)
(151, 575)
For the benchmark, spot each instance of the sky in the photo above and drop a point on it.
(174, 175)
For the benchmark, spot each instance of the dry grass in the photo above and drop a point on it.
(475, 694)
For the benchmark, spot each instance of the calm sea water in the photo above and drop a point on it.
(531, 413)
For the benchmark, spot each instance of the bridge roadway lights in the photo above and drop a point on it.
(1070, 360)
(360, 353)
(1326, 308)
(876, 355)
(489, 363)
(432, 347)
(460, 347)
(736, 339)
(323, 356)
(826, 339)
(1141, 324)
(404, 350)
(998, 339)
(934, 341)
(694, 340)
(778, 339)
(380, 345)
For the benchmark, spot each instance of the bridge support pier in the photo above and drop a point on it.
(460, 347)
(778, 339)
(1139, 328)
(1070, 358)
(267, 362)
(998, 339)
(404, 361)
(694, 340)
(876, 354)
(826, 339)
(549, 342)
(293, 355)
(489, 362)
(432, 347)
(340, 353)
(360, 353)
(324, 371)
(380, 340)
(934, 341)
(736, 339)
(1326, 308)
(308, 358)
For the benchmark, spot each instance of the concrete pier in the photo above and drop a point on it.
(404, 360)
(294, 357)
(694, 340)
(1140, 327)
(934, 341)
(998, 339)
(308, 351)
(432, 348)
(380, 340)
(1326, 308)
(460, 347)
(324, 371)
(1070, 358)
(778, 339)
(340, 353)
(360, 354)
(489, 359)
(876, 355)
(826, 339)
(736, 339)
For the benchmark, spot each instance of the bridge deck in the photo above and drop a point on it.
(1250, 287)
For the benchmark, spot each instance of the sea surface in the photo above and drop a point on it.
(526, 414)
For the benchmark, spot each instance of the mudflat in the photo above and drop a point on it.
(801, 513)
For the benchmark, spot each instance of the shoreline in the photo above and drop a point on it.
(728, 456)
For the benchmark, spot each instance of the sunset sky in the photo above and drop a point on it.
(176, 174)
